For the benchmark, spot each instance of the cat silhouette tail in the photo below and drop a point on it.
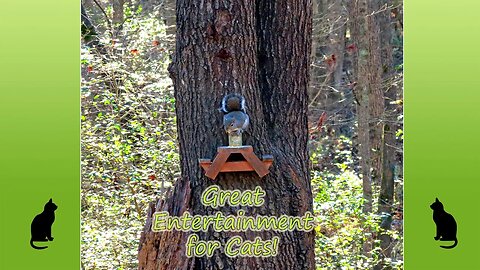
(454, 244)
(35, 247)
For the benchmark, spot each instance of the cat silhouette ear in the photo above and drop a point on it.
(436, 199)
(50, 200)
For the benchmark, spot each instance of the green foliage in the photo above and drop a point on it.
(342, 228)
(129, 152)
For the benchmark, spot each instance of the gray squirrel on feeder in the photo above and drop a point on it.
(235, 119)
(235, 122)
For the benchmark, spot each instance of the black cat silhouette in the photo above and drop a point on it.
(41, 228)
(446, 225)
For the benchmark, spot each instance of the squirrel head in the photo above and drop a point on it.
(236, 121)
(230, 124)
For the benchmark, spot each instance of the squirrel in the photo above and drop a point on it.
(235, 119)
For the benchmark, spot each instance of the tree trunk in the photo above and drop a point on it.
(385, 200)
(168, 15)
(262, 51)
(118, 15)
(360, 37)
(375, 91)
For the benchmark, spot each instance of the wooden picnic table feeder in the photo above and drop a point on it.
(236, 158)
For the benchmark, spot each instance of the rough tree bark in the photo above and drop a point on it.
(262, 50)
(375, 90)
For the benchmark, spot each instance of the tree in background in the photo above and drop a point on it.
(390, 27)
(261, 50)
(376, 89)
(356, 83)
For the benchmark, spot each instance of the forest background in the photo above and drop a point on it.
(129, 148)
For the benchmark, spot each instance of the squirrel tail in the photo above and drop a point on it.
(35, 247)
(233, 102)
(452, 246)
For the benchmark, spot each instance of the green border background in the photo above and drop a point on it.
(39, 130)
(442, 132)
(40, 134)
